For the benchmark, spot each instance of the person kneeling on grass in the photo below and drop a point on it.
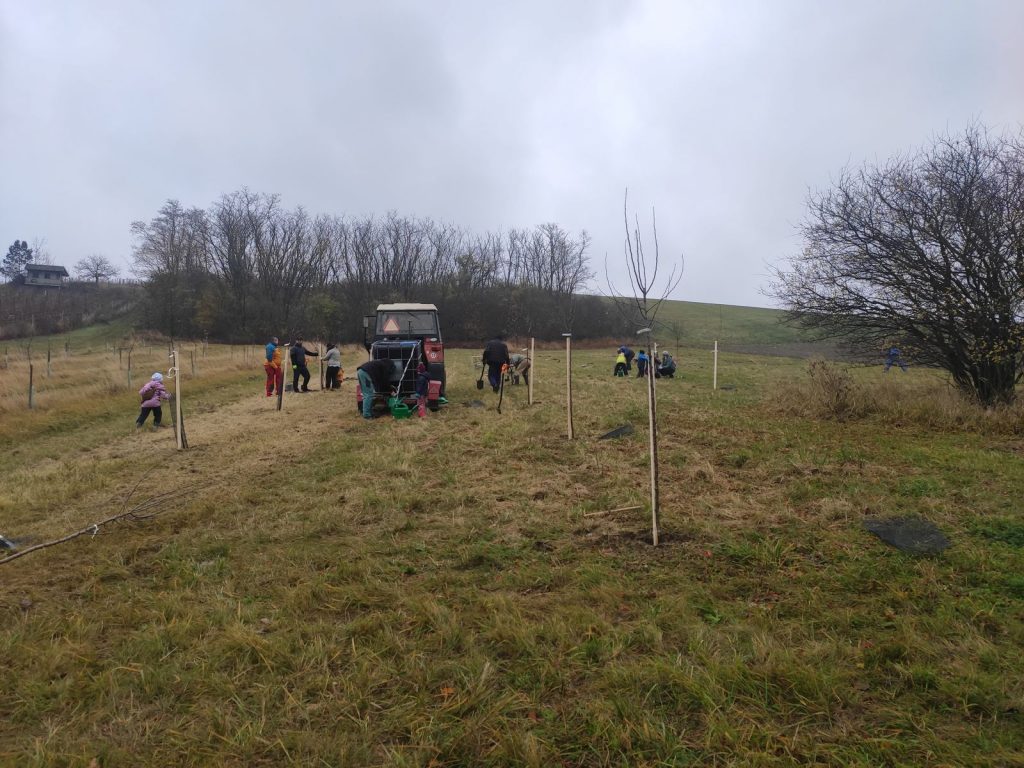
(152, 393)
(374, 376)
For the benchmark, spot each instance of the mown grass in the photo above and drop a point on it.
(455, 592)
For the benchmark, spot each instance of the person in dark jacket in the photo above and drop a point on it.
(494, 357)
(298, 354)
(374, 376)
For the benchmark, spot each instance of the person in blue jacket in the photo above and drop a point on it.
(641, 364)
(893, 357)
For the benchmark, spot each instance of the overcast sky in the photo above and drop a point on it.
(489, 115)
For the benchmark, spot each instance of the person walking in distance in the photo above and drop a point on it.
(374, 376)
(333, 362)
(298, 355)
(494, 357)
(272, 365)
(152, 393)
(893, 357)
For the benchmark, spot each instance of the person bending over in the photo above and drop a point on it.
(494, 357)
(374, 377)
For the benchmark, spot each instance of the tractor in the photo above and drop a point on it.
(407, 334)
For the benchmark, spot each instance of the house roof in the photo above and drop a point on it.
(46, 268)
(406, 308)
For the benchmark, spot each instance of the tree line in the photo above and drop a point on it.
(249, 267)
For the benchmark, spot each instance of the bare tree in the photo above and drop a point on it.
(647, 297)
(926, 251)
(95, 267)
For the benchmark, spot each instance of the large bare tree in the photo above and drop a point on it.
(95, 267)
(925, 251)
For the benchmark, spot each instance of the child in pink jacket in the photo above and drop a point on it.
(152, 393)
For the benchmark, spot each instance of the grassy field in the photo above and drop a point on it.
(456, 591)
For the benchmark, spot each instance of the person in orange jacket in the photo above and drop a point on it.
(272, 365)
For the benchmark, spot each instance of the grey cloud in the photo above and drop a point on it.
(487, 115)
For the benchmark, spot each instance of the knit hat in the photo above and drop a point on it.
(421, 368)
(157, 377)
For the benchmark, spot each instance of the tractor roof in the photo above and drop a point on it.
(406, 308)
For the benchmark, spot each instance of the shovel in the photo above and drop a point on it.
(480, 381)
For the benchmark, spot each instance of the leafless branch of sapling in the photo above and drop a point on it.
(145, 510)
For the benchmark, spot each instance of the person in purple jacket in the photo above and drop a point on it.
(152, 393)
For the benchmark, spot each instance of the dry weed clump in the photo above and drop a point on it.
(831, 392)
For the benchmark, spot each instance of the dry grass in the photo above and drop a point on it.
(927, 400)
(435, 592)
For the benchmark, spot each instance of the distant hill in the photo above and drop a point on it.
(753, 330)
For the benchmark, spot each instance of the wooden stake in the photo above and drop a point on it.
(320, 350)
(31, 392)
(568, 380)
(129, 368)
(48, 371)
(280, 384)
(192, 354)
(714, 374)
(175, 369)
(533, 369)
(652, 424)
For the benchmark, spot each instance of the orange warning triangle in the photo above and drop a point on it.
(391, 325)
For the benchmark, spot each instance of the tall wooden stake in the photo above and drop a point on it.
(652, 428)
(48, 361)
(31, 392)
(129, 368)
(280, 384)
(568, 380)
(192, 354)
(533, 369)
(178, 427)
(714, 374)
(320, 350)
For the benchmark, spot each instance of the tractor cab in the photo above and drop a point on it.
(407, 334)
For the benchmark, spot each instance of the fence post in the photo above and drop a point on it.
(568, 380)
(532, 369)
(714, 369)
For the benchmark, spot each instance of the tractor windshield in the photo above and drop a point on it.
(407, 324)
